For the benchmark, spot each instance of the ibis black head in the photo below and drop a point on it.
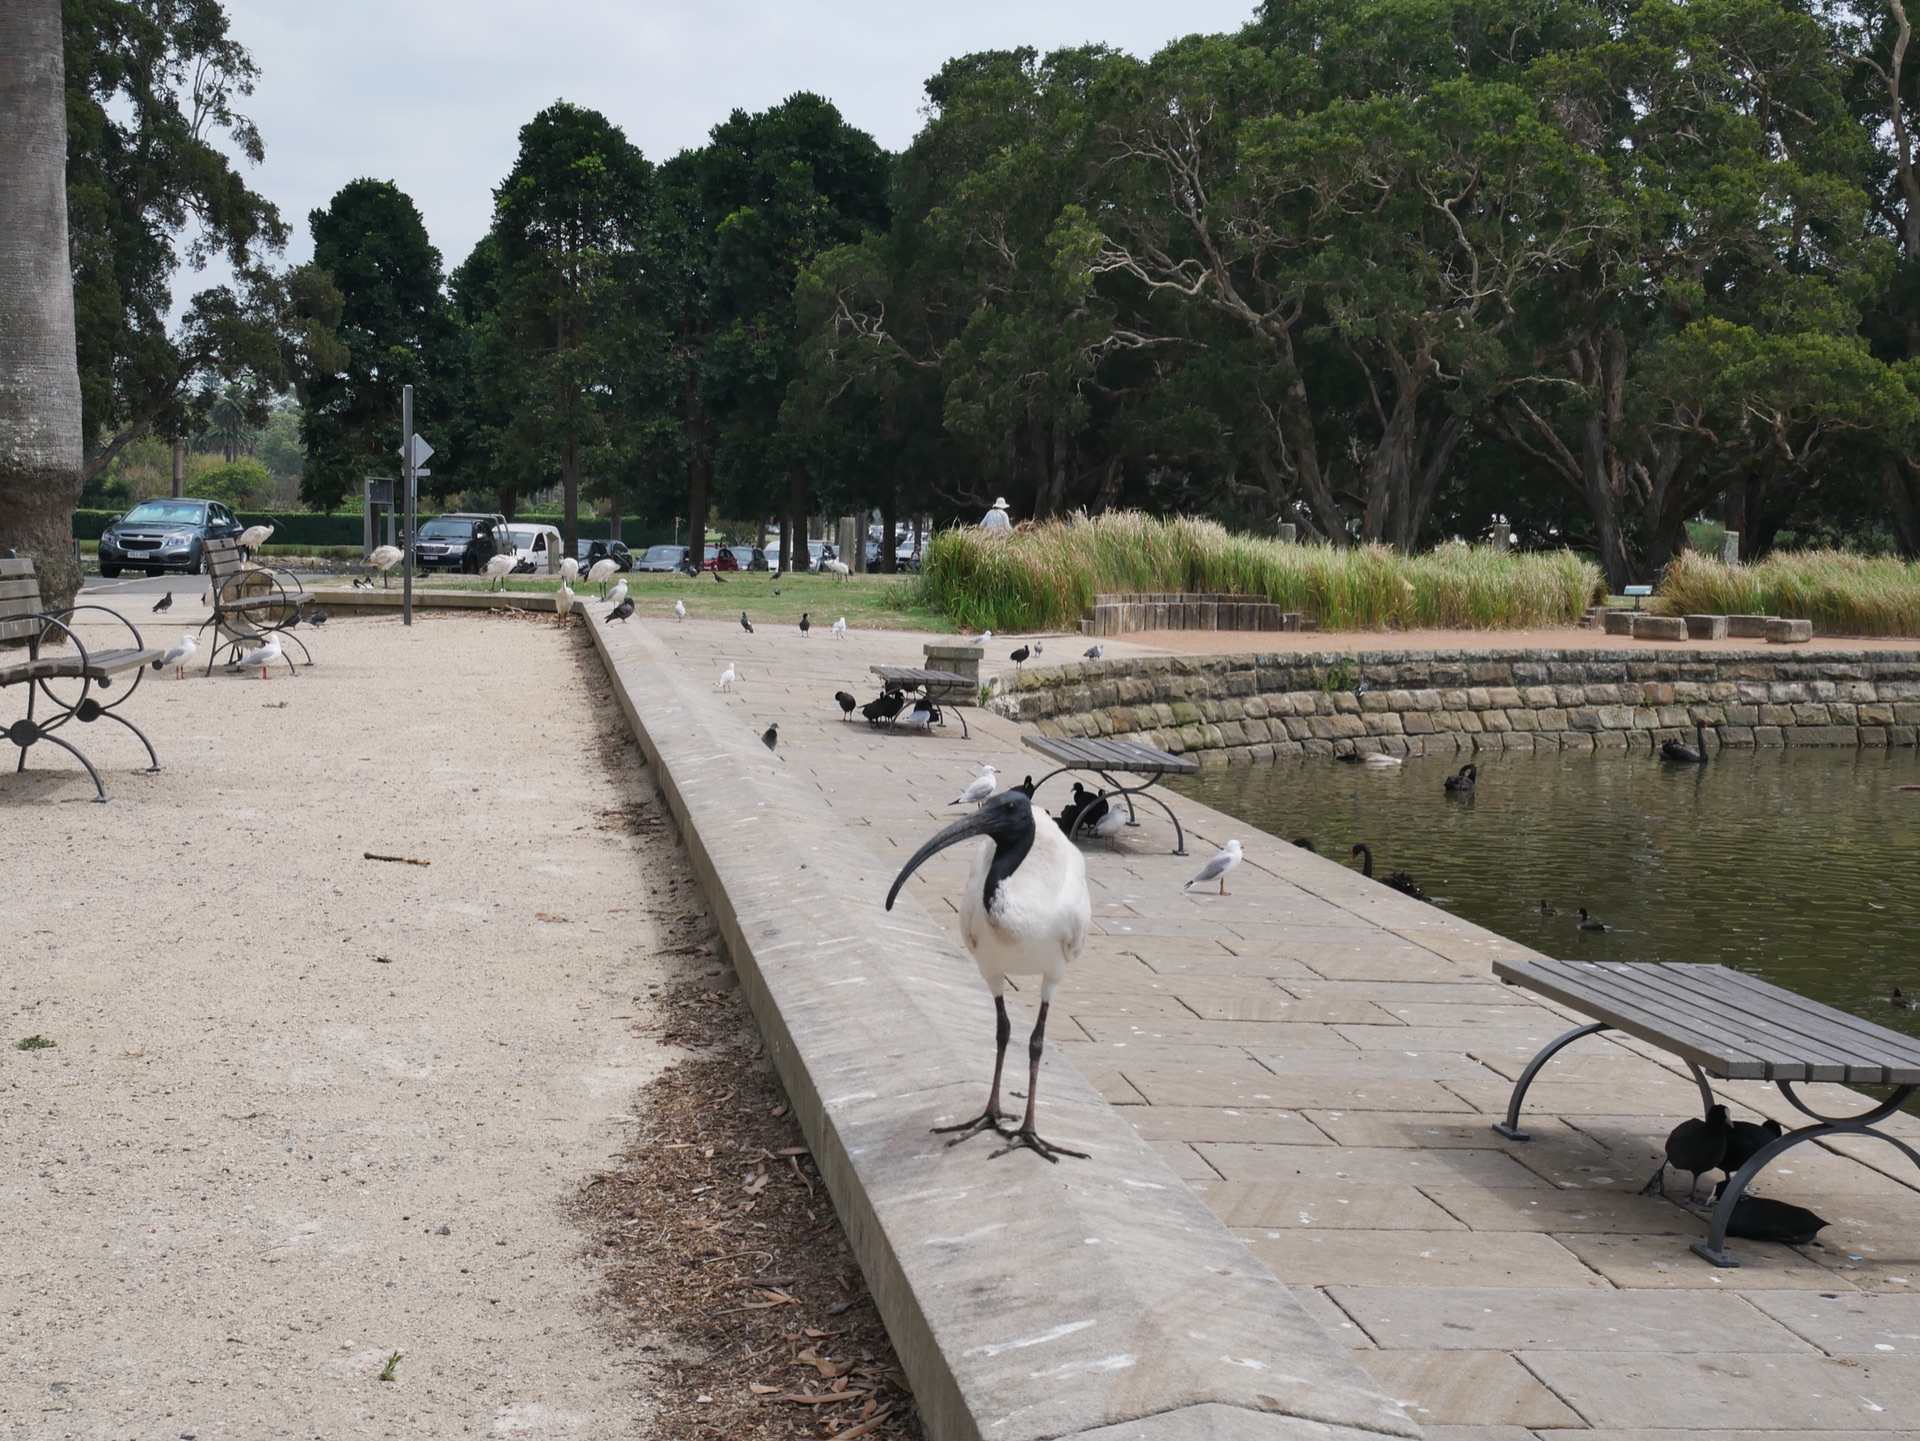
(1007, 820)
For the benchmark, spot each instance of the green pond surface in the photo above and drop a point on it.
(1794, 865)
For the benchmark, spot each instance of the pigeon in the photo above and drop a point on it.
(847, 703)
(979, 791)
(618, 594)
(622, 611)
(317, 616)
(178, 655)
(679, 610)
(770, 737)
(745, 624)
(292, 621)
(805, 624)
(840, 628)
(1217, 868)
(776, 590)
(261, 655)
(1038, 648)
(164, 603)
(1093, 652)
(727, 677)
(1019, 657)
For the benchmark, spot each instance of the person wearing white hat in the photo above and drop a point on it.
(996, 519)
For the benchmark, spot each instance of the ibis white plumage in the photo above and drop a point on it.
(836, 567)
(1025, 912)
(498, 569)
(599, 571)
(1217, 868)
(563, 601)
(253, 537)
(569, 569)
(263, 655)
(383, 558)
(979, 790)
(178, 655)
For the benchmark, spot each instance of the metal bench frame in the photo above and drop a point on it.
(1104, 757)
(22, 620)
(250, 601)
(937, 685)
(1735, 1027)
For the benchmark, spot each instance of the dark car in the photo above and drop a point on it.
(162, 535)
(748, 557)
(464, 541)
(662, 558)
(589, 551)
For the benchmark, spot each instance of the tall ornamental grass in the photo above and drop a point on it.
(1841, 593)
(1044, 577)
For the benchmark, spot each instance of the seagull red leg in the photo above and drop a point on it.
(1026, 1138)
(989, 1119)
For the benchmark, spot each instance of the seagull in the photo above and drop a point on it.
(745, 624)
(164, 603)
(1093, 652)
(840, 628)
(1025, 911)
(383, 558)
(979, 791)
(178, 655)
(770, 737)
(622, 611)
(847, 703)
(1217, 868)
(727, 677)
(1108, 826)
(920, 717)
(618, 594)
(498, 569)
(253, 537)
(569, 569)
(805, 624)
(261, 655)
(598, 572)
(679, 610)
(982, 638)
(1019, 657)
(563, 601)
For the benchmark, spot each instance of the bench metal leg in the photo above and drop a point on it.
(36, 735)
(1714, 1248)
(104, 714)
(1510, 1128)
(1128, 794)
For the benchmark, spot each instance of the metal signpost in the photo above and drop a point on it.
(414, 454)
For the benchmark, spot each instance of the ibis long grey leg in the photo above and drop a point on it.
(1026, 1138)
(989, 1119)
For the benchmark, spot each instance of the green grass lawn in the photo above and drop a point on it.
(873, 602)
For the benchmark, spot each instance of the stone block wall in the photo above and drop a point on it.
(1244, 709)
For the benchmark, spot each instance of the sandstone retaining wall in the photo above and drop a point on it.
(1243, 709)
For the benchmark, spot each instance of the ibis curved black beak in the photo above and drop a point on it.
(995, 818)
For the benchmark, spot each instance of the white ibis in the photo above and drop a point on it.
(263, 655)
(978, 791)
(1025, 912)
(618, 593)
(837, 567)
(1217, 868)
(253, 537)
(728, 677)
(679, 610)
(498, 569)
(840, 628)
(178, 655)
(563, 601)
(569, 570)
(598, 572)
(383, 558)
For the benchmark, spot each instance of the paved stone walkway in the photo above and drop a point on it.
(1321, 1059)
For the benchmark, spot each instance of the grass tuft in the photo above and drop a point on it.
(1841, 593)
(1043, 577)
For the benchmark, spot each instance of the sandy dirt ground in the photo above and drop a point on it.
(306, 1112)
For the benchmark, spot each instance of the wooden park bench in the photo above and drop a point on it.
(250, 600)
(42, 652)
(1727, 1024)
(1107, 757)
(939, 686)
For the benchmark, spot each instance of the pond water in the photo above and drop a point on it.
(1794, 865)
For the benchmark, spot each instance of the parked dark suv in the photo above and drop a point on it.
(589, 551)
(463, 541)
(162, 535)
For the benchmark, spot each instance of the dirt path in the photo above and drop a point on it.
(306, 1112)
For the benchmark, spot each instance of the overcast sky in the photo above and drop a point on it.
(431, 93)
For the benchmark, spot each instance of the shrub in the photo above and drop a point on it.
(1840, 592)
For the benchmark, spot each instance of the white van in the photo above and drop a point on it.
(538, 544)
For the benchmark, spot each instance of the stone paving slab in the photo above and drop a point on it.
(1482, 1318)
(1783, 1393)
(1493, 1208)
(1848, 1325)
(1422, 1258)
(1480, 1388)
(1340, 1204)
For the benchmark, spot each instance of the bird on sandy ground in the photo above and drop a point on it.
(317, 616)
(837, 567)
(292, 622)
(263, 656)
(1306, 844)
(1019, 657)
(252, 538)
(1588, 923)
(979, 790)
(770, 737)
(178, 655)
(204, 594)
(382, 559)
(563, 601)
(846, 703)
(728, 677)
(618, 594)
(805, 624)
(622, 611)
(1687, 755)
(1547, 910)
(1093, 652)
(679, 610)
(497, 571)
(1038, 648)
(1107, 828)
(1025, 911)
(569, 570)
(1463, 782)
(840, 628)
(164, 603)
(1217, 868)
(982, 638)
(1396, 880)
(1693, 1146)
(745, 624)
(601, 571)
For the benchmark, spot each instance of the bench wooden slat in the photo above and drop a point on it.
(1861, 1045)
(18, 587)
(1109, 754)
(1615, 1002)
(15, 566)
(1763, 1035)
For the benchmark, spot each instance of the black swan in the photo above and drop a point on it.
(1397, 880)
(1464, 780)
(1684, 754)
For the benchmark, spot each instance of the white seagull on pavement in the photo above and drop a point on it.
(679, 610)
(840, 628)
(177, 656)
(1217, 868)
(727, 677)
(261, 655)
(618, 593)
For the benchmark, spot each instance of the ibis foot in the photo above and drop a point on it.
(987, 1120)
(1028, 1139)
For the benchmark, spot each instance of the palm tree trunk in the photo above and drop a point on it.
(40, 453)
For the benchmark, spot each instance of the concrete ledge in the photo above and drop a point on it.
(1659, 627)
(1789, 632)
(1748, 627)
(1619, 622)
(349, 599)
(1706, 627)
(1092, 1299)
